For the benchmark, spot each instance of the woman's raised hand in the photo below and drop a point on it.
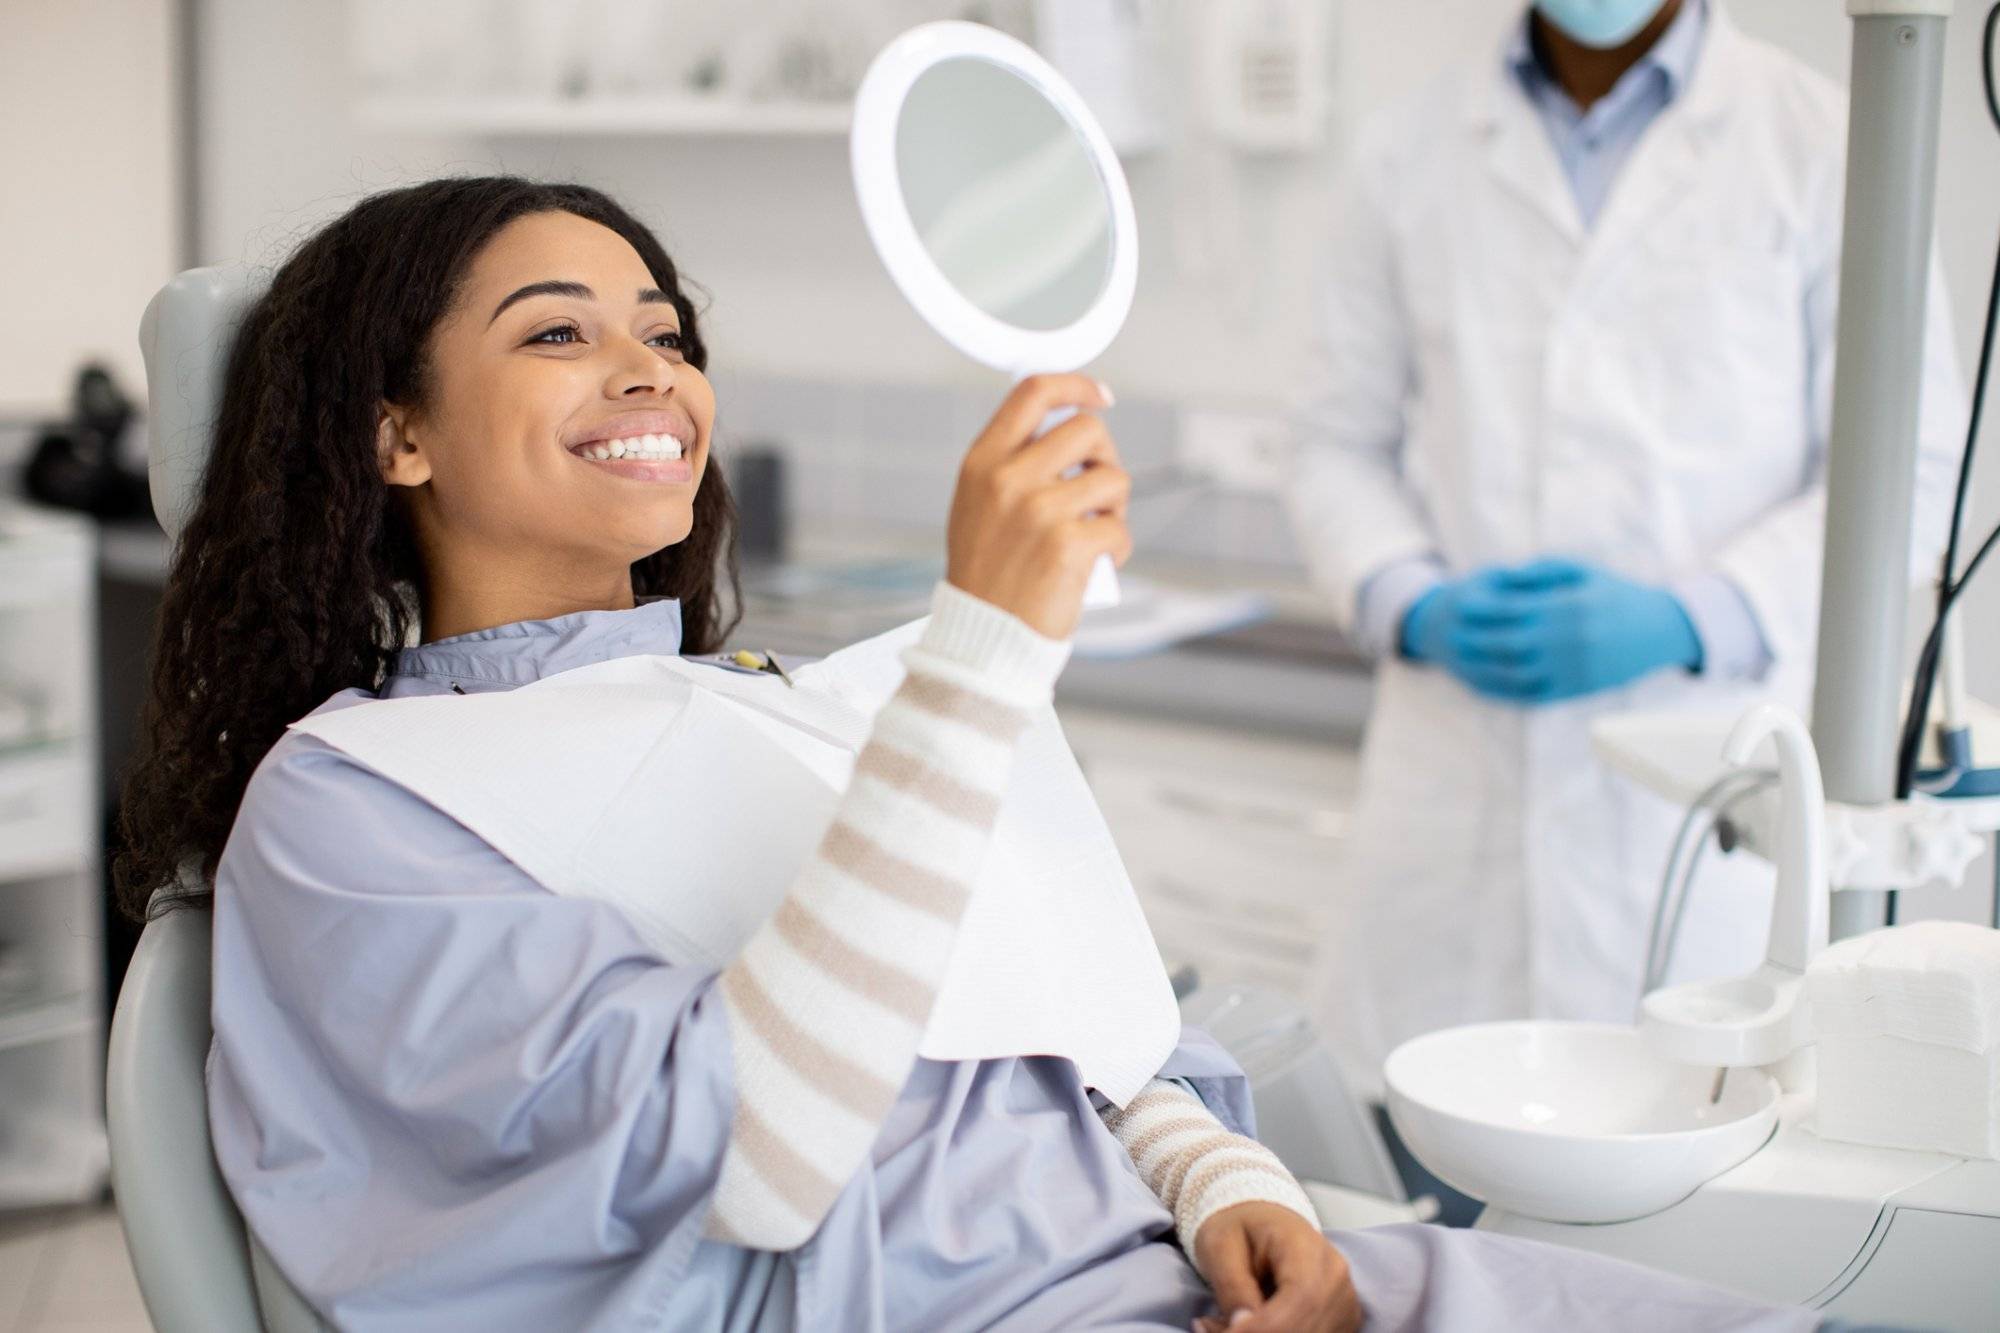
(1023, 532)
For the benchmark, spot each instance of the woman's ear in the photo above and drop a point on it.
(396, 454)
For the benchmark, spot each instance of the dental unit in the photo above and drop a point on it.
(1821, 1130)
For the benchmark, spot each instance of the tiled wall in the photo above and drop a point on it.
(883, 457)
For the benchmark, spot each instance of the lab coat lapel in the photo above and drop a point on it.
(1519, 156)
(1672, 155)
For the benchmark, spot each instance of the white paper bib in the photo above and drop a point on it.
(690, 797)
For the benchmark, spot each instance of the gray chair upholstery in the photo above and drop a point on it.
(185, 336)
(198, 1269)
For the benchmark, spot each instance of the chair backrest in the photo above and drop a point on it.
(198, 1268)
(186, 1238)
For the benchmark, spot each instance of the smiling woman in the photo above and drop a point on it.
(559, 347)
(460, 340)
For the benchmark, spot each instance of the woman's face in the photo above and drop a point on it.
(559, 356)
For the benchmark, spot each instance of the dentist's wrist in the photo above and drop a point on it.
(1687, 650)
(1410, 634)
(1385, 601)
(1733, 646)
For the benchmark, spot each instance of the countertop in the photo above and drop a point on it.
(1291, 674)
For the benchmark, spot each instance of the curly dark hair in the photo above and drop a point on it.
(296, 576)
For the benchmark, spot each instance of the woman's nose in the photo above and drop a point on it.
(640, 372)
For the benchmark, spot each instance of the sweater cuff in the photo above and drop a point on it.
(1247, 1186)
(989, 649)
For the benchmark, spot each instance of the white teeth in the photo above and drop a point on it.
(634, 446)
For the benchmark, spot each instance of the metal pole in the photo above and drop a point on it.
(187, 18)
(1892, 142)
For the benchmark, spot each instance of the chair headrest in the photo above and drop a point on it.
(185, 337)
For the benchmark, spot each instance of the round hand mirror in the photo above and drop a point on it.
(996, 203)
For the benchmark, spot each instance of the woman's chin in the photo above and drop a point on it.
(656, 537)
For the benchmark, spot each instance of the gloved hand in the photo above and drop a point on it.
(1577, 629)
(1447, 626)
(1560, 629)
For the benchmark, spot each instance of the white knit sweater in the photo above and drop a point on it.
(828, 1000)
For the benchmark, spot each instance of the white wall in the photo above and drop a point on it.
(88, 216)
(771, 229)
(770, 226)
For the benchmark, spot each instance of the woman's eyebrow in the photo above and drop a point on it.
(576, 290)
(550, 287)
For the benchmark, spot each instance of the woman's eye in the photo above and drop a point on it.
(561, 333)
(670, 339)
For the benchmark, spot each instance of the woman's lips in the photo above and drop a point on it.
(655, 424)
(641, 446)
(673, 471)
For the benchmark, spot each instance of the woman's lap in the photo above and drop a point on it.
(1419, 1278)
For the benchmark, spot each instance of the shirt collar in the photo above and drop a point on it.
(1673, 55)
(528, 650)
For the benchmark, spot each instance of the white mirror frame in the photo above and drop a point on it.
(872, 146)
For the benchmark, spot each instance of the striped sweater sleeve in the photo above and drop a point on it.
(1195, 1166)
(828, 1000)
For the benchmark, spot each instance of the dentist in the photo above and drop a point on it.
(1564, 455)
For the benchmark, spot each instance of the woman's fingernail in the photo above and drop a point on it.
(1238, 1317)
(1105, 390)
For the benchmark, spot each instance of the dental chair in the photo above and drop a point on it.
(199, 1269)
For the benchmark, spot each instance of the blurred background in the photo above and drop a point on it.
(1216, 717)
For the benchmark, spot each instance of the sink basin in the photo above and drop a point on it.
(1571, 1122)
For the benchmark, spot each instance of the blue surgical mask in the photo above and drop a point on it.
(1600, 23)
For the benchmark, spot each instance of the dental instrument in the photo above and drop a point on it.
(766, 661)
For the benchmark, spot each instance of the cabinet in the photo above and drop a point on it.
(52, 1141)
(1230, 838)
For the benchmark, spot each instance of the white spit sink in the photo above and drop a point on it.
(1571, 1122)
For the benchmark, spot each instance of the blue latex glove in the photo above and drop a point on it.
(1561, 629)
(1450, 626)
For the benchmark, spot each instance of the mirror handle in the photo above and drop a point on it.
(1102, 590)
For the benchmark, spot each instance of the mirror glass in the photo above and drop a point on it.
(1004, 194)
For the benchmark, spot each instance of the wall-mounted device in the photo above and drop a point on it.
(1265, 73)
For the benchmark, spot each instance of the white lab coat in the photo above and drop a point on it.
(1492, 383)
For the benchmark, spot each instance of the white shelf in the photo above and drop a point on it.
(52, 1141)
(58, 1016)
(44, 558)
(45, 1161)
(666, 116)
(47, 813)
(39, 745)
